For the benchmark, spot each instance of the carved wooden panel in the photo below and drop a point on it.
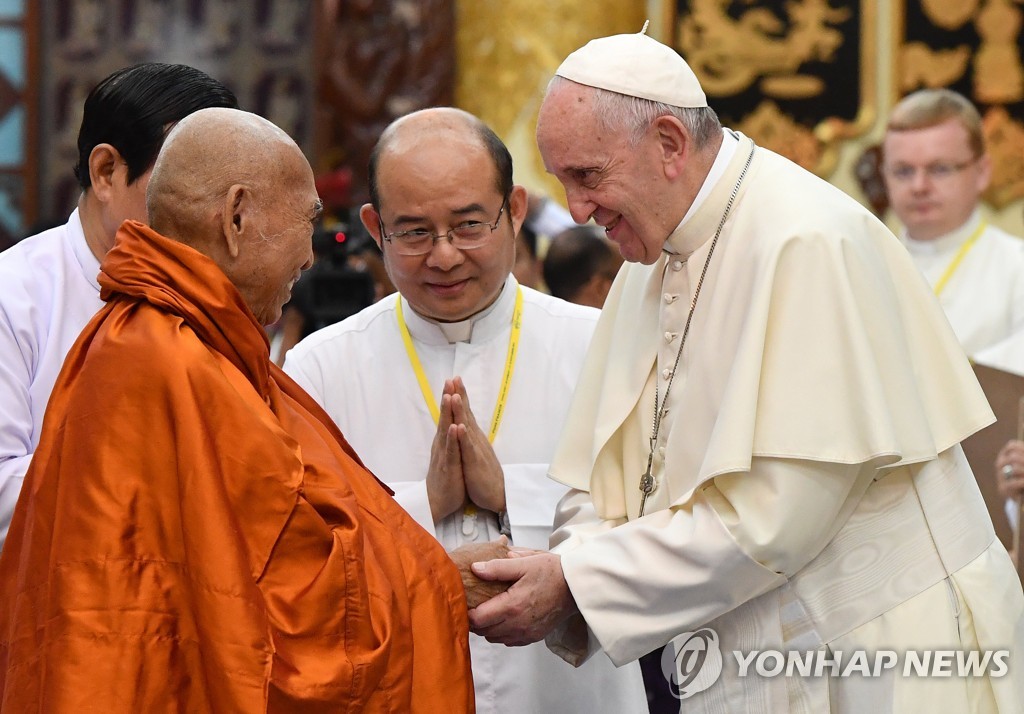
(332, 73)
(379, 60)
(262, 50)
(17, 119)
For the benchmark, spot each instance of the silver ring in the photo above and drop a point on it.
(1008, 470)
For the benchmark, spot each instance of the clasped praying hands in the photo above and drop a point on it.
(463, 466)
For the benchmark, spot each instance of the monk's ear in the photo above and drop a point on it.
(105, 165)
(674, 144)
(236, 217)
(371, 222)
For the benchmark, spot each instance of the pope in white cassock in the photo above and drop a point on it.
(467, 457)
(765, 438)
(936, 168)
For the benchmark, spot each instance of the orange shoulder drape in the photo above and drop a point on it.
(194, 533)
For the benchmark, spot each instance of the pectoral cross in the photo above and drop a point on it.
(646, 481)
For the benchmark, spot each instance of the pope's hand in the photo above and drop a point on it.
(446, 489)
(479, 591)
(484, 478)
(530, 609)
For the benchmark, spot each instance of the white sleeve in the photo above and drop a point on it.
(640, 584)
(576, 521)
(295, 368)
(530, 501)
(16, 423)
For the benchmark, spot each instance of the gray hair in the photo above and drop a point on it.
(635, 115)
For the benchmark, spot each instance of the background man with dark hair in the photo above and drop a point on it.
(50, 290)
(580, 266)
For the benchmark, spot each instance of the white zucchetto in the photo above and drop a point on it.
(635, 65)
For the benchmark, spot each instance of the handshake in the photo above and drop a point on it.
(479, 591)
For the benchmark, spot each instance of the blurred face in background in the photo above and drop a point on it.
(933, 177)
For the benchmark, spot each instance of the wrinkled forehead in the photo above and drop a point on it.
(566, 100)
(569, 134)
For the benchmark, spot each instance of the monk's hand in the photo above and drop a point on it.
(446, 489)
(485, 480)
(1010, 470)
(531, 608)
(479, 591)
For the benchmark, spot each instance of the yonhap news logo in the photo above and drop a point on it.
(693, 661)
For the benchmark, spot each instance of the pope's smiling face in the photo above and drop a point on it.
(619, 184)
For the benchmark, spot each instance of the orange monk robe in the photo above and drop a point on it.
(194, 534)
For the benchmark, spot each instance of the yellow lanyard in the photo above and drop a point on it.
(958, 258)
(506, 379)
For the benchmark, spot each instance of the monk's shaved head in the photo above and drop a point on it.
(237, 188)
(207, 153)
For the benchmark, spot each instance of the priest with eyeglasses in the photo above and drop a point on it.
(455, 390)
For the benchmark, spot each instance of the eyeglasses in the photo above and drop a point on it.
(468, 235)
(938, 171)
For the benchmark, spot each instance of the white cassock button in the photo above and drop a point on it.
(669, 336)
(666, 373)
(677, 265)
(661, 451)
(670, 298)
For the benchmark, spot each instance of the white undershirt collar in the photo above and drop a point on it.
(83, 254)
(943, 244)
(484, 325)
(730, 143)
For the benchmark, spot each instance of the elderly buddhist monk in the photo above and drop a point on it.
(194, 533)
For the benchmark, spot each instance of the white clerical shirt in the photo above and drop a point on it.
(983, 295)
(50, 292)
(360, 373)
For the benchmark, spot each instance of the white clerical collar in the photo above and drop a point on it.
(485, 325)
(946, 243)
(730, 142)
(83, 253)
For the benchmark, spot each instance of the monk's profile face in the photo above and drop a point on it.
(282, 245)
(434, 184)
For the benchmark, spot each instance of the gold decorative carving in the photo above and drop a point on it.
(998, 73)
(1004, 137)
(930, 52)
(768, 67)
(506, 54)
(729, 54)
(776, 131)
(922, 66)
(950, 14)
